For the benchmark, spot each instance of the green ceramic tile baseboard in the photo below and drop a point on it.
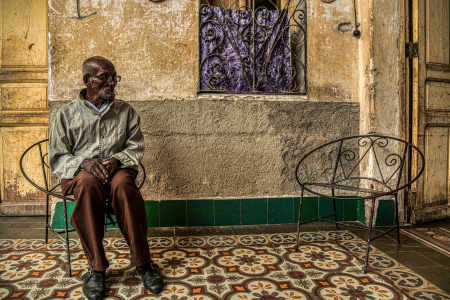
(350, 210)
(326, 208)
(200, 212)
(361, 211)
(152, 209)
(386, 215)
(226, 212)
(310, 208)
(281, 210)
(57, 221)
(254, 211)
(173, 213)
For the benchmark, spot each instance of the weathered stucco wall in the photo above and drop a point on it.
(210, 146)
(223, 149)
(228, 146)
(332, 54)
(154, 46)
(388, 59)
(382, 67)
(381, 49)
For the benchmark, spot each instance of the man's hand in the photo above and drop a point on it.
(96, 168)
(112, 165)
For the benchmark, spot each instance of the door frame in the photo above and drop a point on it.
(410, 98)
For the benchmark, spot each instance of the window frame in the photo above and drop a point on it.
(297, 16)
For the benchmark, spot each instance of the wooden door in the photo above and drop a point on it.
(431, 107)
(23, 96)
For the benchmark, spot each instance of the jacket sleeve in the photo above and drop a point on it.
(61, 160)
(133, 150)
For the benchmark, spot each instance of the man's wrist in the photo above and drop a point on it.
(82, 167)
(116, 161)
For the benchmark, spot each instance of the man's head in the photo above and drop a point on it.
(100, 78)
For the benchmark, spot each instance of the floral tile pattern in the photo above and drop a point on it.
(328, 265)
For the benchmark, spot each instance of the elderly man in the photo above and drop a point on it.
(95, 148)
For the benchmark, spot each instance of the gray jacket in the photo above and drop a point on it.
(79, 132)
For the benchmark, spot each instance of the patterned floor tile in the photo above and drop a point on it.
(328, 265)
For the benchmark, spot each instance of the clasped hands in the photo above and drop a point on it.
(103, 170)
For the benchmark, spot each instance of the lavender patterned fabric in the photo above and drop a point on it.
(234, 59)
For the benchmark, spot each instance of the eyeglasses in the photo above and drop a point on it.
(105, 77)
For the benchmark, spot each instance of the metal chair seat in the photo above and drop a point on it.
(52, 191)
(365, 167)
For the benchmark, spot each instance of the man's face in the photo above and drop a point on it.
(102, 84)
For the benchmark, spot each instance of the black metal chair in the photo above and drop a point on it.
(364, 167)
(54, 191)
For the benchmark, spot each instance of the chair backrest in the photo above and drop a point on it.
(359, 166)
(43, 183)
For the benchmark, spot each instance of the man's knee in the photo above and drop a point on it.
(122, 180)
(88, 182)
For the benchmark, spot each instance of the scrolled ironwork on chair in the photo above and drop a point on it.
(53, 191)
(365, 167)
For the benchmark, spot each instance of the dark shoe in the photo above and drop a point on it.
(94, 285)
(151, 277)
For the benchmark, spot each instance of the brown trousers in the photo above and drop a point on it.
(88, 218)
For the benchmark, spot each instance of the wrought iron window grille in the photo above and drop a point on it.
(252, 46)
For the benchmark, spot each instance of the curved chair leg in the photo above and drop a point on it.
(300, 203)
(335, 213)
(67, 239)
(396, 216)
(46, 218)
(105, 225)
(369, 235)
(174, 236)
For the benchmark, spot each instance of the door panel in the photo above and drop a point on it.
(438, 33)
(23, 100)
(24, 33)
(431, 107)
(436, 173)
(436, 96)
(17, 189)
(23, 96)
(438, 73)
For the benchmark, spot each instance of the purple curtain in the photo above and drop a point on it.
(239, 53)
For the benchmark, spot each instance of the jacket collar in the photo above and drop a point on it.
(86, 104)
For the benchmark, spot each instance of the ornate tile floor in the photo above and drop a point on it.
(237, 267)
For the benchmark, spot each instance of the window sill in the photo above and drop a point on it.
(251, 97)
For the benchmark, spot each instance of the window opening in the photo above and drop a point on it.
(270, 5)
(252, 46)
